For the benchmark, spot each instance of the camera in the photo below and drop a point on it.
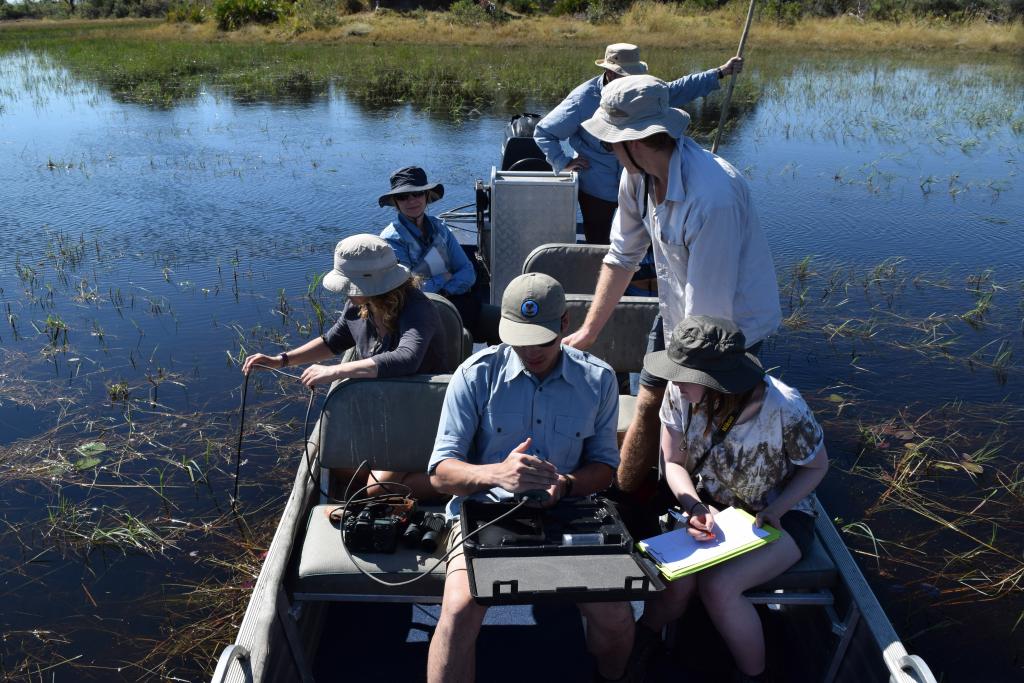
(375, 527)
(424, 531)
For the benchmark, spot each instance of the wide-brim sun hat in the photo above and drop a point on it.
(531, 310)
(410, 179)
(364, 265)
(710, 352)
(633, 108)
(623, 59)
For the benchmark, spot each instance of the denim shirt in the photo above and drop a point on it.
(493, 403)
(565, 122)
(413, 250)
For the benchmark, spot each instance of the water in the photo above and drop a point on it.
(166, 240)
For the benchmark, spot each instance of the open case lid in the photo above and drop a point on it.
(578, 578)
(536, 567)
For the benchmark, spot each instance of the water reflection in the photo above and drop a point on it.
(169, 240)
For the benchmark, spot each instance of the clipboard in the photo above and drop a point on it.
(677, 554)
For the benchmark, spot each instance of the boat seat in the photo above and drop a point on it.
(814, 571)
(517, 149)
(575, 266)
(627, 409)
(354, 429)
(623, 341)
(458, 340)
(325, 572)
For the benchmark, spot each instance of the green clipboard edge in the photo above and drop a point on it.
(773, 535)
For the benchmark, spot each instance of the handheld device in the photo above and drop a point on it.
(536, 495)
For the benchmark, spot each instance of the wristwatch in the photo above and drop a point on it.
(284, 359)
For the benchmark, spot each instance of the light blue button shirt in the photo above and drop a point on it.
(493, 404)
(565, 122)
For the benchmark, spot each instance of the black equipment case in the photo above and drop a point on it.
(578, 550)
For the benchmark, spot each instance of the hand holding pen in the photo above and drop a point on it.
(701, 522)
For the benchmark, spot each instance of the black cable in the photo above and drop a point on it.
(427, 572)
(382, 497)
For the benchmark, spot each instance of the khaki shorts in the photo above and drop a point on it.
(457, 558)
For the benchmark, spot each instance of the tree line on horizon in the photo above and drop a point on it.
(321, 14)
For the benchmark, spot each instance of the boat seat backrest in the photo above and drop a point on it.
(519, 148)
(574, 265)
(458, 343)
(623, 341)
(390, 423)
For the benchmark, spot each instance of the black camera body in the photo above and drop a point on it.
(374, 528)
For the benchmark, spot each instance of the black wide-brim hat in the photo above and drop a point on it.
(411, 179)
(707, 351)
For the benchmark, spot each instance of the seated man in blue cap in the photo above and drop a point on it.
(528, 414)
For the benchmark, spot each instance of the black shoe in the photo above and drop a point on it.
(740, 677)
(647, 644)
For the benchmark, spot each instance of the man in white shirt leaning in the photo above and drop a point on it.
(695, 210)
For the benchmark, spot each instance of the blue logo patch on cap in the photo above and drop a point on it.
(529, 309)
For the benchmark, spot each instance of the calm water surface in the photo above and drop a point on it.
(167, 241)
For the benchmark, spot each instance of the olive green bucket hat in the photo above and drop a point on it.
(707, 351)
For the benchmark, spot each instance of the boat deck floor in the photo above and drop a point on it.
(388, 642)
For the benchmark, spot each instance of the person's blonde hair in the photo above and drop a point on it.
(385, 308)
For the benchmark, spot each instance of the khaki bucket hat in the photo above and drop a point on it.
(531, 310)
(365, 265)
(623, 59)
(707, 351)
(634, 108)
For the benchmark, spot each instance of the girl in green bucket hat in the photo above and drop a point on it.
(732, 436)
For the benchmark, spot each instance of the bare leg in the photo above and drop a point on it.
(640, 446)
(419, 484)
(609, 635)
(452, 654)
(721, 588)
(670, 604)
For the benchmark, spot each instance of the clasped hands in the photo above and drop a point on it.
(520, 471)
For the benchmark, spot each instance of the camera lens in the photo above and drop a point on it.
(429, 541)
(412, 536)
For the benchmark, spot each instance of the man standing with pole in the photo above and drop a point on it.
(695, 210)
(599, 169)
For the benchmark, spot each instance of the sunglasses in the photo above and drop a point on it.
(406, 195)
(606, 146)
(545, 345)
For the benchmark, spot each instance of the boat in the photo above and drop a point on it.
(314, 615)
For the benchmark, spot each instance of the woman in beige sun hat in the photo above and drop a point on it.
(393, 327)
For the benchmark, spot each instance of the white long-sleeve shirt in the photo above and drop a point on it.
(710, 254)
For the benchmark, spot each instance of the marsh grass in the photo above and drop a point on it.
(956, 468)
(819, 296)
(213, 608)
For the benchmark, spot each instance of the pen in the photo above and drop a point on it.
(685, 519)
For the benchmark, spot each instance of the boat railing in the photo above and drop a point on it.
(903, 667)
(231, 654)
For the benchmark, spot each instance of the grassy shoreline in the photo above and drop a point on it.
(649, 25)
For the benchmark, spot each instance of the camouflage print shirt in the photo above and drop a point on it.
(757, 458)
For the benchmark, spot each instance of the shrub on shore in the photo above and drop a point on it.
(323, 14)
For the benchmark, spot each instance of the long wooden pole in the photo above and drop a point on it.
(732, 79)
